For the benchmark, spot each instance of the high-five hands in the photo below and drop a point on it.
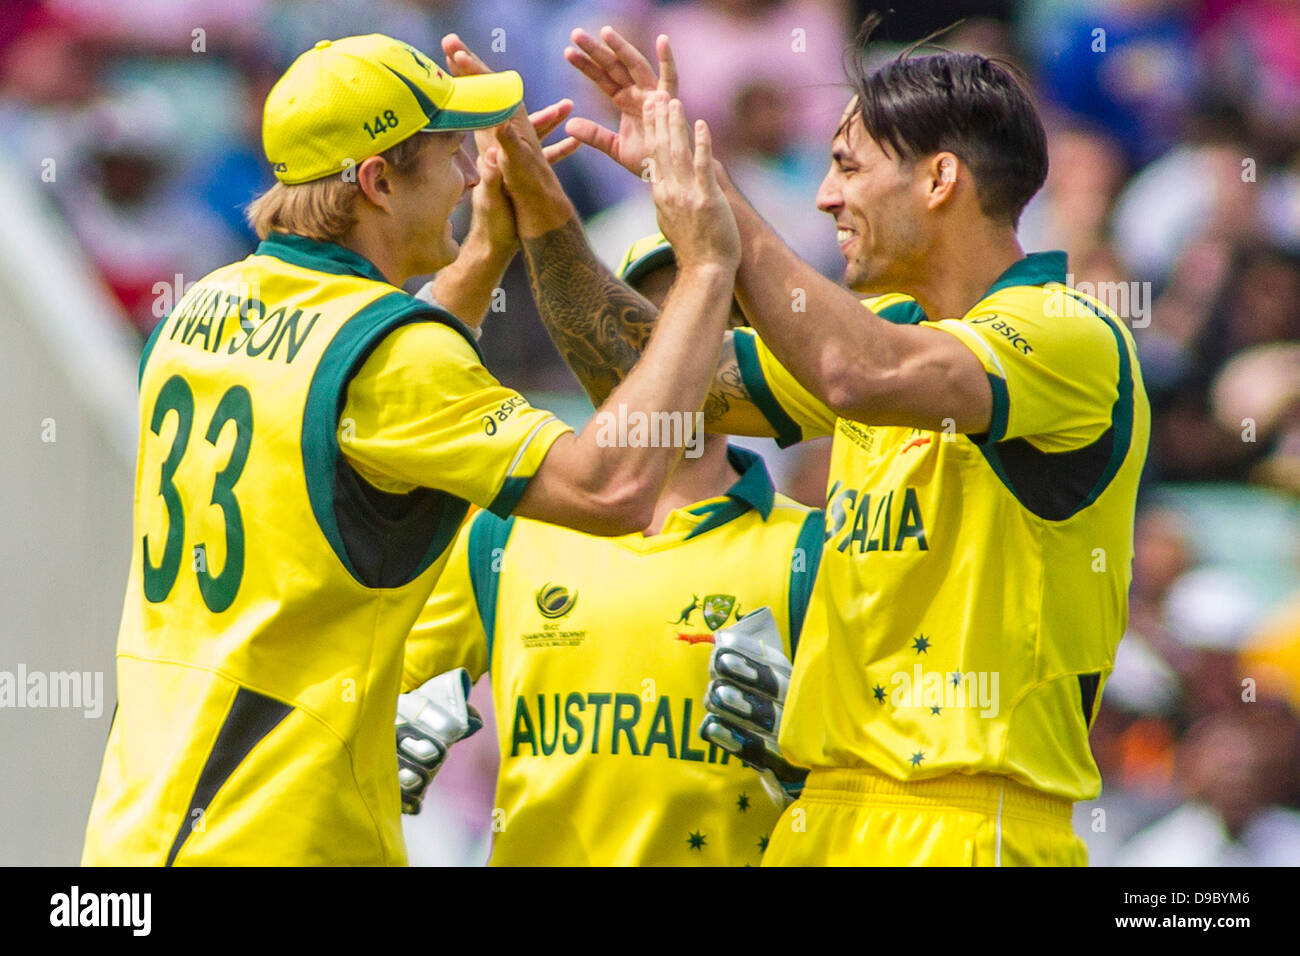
(492, 207)
(461, 61)
(694, 215)
(623, 74)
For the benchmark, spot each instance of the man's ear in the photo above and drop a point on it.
(374, 176)
(942, 172)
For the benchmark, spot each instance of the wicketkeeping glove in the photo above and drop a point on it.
(429, 720)
(750, 676)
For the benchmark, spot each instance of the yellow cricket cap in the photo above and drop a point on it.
(347, 100)
(645, 256)
(653, 252)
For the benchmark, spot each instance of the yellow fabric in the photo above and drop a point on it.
(598, 708)
(346, 100)
(455, 428)
(813, 416)
(1060, 382)
(282, 699)
(951, 623)
(864, 818)
(449, 631)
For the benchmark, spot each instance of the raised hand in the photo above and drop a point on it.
(461, 61)
(494, 214)
(539, 201)
(493, 211)
(693, 213)
(623, 74)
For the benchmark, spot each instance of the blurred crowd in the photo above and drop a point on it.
(1174, 135)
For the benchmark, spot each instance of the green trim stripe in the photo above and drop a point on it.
(1121, 422)
(148, 348)
(903, 313)
(719, 513)
(1037, 268)
(1001, 410)
(453, 120)
(787, 429)
(512, 489)
(753, 489)
(334, 259)
(427, 106)
(1121, 416)
(318, 256)
(648, 262)
(990, 452)
(754, 486)
(811, 537)
(488, 535)
(325, 399)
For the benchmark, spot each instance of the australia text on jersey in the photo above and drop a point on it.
(663, 726)
(887, 520)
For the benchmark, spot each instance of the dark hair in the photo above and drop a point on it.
(973, 106)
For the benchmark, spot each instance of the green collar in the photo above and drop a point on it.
(332, 258)
(318, 256)
(753, 490)
(1037, 268)
(754, 487)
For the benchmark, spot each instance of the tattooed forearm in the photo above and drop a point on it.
(601, 326)
(728, 387)
(598, 323)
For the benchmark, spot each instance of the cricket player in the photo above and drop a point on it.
(312, 438)
(987, 447)
(598, 650)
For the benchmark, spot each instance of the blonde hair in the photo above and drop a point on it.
(324, 209)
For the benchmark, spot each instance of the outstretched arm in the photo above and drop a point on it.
(859, 365)
(584, 482)
(854, 362)
(599, 324)
(601, 327)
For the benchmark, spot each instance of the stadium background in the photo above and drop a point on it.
(129, 142)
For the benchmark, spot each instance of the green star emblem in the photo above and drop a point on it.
(956, 678)
(920, 644)
(879, 692)
(917, 758)
(935, 709)
(697, 841)
(762, 844)
(743, 803)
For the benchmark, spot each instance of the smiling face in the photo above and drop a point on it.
(424, 198)
(878, 204)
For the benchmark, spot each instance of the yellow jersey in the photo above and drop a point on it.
(272, 586)
(599, 656)
(974, 588)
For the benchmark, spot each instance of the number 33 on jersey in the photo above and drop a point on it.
(272, 584)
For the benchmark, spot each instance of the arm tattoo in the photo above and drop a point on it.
(728, 386)
(601, 325)
(598, 323)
